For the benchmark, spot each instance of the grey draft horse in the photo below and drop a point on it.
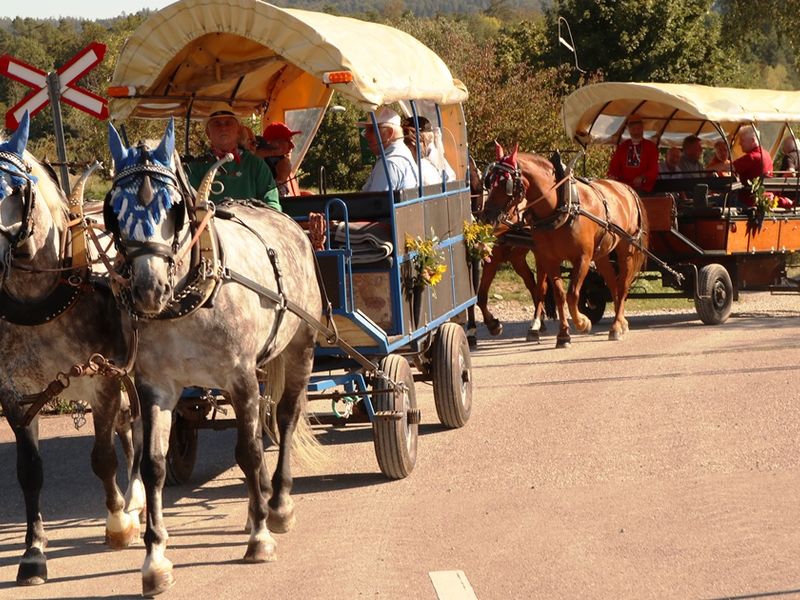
(215, 342)
(51, 320)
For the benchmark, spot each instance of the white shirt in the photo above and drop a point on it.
(402, 170)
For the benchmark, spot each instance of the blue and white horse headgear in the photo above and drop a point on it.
(139, 205)
(13, 170)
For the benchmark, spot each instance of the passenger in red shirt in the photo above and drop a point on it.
(635, 161)
(754, 163)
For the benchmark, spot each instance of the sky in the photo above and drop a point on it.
(85, 9)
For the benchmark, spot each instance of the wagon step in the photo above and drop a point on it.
(414, 415)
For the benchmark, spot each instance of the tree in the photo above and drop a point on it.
(643, 40)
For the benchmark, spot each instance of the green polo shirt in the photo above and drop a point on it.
(249, 178)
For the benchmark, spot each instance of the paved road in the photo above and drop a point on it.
(664, 466)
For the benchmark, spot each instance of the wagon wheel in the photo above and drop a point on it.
(715, 294)
(395, 437)
(452, 376)
(182, 452)
(592, 302)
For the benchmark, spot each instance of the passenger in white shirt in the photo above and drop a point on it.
(433, 162)
(401, 164)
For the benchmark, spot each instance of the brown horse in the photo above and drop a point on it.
(502, 253)
(578, 221)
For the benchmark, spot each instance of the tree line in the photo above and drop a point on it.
(505, 52)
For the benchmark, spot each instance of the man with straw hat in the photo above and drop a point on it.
(247, 177)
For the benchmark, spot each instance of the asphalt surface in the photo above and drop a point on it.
(662, 466)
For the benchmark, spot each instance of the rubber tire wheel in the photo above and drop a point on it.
(452, 376)
(714, 282)
(182, 452)
(594, 294)
(395, 439)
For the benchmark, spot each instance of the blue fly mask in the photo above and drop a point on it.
(145, 186)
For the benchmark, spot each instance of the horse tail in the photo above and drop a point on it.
(305, 445)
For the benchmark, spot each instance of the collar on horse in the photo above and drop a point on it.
(74, 262)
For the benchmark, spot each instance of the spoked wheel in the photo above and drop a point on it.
(715, 294)
(396, 424)
(592, 302)
(182, 452)
(452, 376)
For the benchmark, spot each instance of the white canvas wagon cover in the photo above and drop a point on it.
(250, 52)
(596, 114)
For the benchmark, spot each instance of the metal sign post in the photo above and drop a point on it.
(54, 91)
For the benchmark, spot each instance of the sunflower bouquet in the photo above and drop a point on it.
(428, 264)
(480, 239)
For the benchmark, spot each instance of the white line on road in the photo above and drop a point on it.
(452, 585)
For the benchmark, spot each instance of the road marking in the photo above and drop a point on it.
(452, 585)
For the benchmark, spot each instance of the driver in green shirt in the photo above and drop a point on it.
(246, 177)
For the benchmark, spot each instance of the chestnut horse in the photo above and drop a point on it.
(578, 221)
(502, 253)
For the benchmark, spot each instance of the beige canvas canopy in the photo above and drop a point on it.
(257, 56)
(597, 114)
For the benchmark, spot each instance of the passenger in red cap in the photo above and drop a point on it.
(275, 147)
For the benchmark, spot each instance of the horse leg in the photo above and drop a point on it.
(494, 326)
(157, 405)
(33, 565)
(261, 546)
(606, 269)
(522, 269)
(291, 423)
(472, 328)
(121, 528)
(131, 436)
(552, 269)
(579, 270)
(629, 265)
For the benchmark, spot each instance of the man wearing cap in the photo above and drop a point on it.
(246, 177)
(401, 166)
(635, 160)
(275, 147)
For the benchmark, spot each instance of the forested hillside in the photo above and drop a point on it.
(506, 53)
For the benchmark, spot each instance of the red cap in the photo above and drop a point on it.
(279, 131)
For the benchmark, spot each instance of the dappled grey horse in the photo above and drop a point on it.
(55, 315)
(211, 325)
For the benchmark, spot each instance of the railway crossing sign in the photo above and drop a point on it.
(78, 97)
(53, 87)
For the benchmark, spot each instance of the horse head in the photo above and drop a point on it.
(146, 211)
(504, 183)
(26, 224)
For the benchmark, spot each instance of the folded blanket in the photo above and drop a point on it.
(369, 241)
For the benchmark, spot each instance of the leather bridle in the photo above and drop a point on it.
(28, 197)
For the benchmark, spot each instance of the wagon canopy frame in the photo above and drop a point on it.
(597, 113)
(250, 53)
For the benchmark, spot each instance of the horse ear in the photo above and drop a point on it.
(498, 150)
(166, 148)
(118, 150)
(513, 157)
(17, 143)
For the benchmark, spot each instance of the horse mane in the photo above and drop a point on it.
(49, 191)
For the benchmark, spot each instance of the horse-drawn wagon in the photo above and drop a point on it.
(284, 65)
(697, 225)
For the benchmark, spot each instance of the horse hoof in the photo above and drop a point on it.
(280, 523)
(472, 341)
(495, 327)
(32, 568)
(260, 551)
(119, 540)
(532, 336)
(615, 336)
(157, 582)
(563, 342)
